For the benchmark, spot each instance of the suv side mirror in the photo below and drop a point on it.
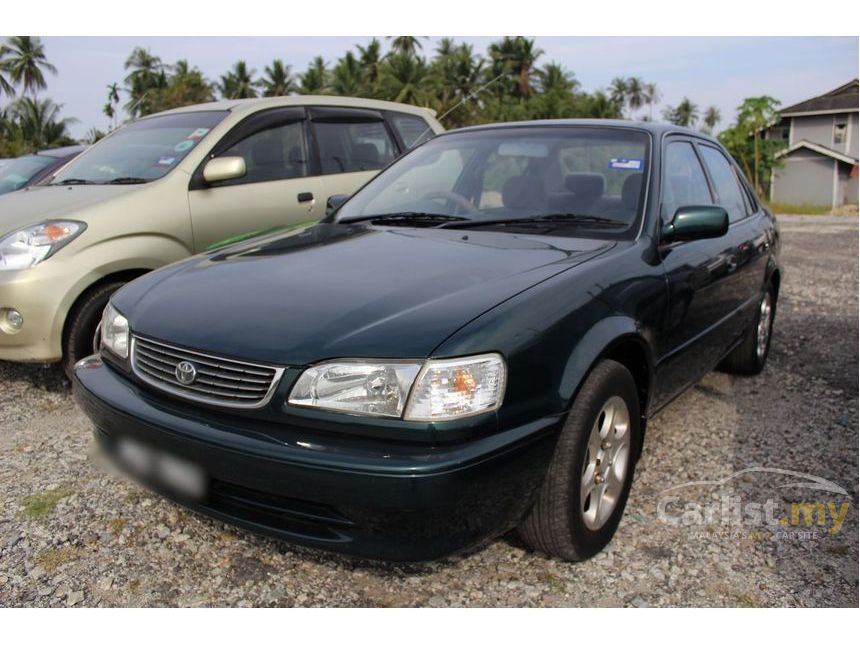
(223, 168)
(333, 203)
(695, 223)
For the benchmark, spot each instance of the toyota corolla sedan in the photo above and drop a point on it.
(472, 343)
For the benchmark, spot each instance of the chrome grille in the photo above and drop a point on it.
(217, 380)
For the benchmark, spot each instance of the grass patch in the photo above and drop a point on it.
(41, 504)
(798, 209)
(116, 525)
(51, 559)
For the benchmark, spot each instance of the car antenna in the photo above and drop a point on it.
(462, 101)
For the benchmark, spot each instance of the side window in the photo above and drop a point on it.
(353, 147)
(277, 152)
(684, 182)
(725, 182)
(412, 129)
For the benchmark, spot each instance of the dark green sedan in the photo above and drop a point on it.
(472, 343)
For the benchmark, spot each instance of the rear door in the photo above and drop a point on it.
(280, 187)
(700, 275)
(352, 145)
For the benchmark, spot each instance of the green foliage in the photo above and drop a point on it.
(744, 140)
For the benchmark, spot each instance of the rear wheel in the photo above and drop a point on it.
(588, 481)
(79, 338)
(750, 356)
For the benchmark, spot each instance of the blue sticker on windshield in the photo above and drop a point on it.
(625, 164)
(182, 146)
(165, 161)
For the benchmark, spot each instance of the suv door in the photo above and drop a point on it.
(698, 275)
(352, 146)
(279, 187)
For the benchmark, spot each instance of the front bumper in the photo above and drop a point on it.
(365, 497)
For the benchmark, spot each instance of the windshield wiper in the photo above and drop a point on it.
(72, 181)
(127, 180)
(409, 218)
(565, 218)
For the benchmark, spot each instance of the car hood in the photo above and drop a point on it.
(39, 203)
(336, 290)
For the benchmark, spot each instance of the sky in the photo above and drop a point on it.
(710, 71)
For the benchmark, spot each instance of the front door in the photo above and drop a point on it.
(700, 276)
(278, 189)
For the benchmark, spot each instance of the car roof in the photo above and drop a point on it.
(657, 129)
(59, 153)
(252, 105)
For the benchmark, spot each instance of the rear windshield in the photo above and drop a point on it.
(141, 151)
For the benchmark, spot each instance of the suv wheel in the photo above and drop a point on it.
(81, 325)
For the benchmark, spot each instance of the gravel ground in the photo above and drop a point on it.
(72, 533)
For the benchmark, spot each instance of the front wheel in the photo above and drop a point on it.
(588, 481)
(82, 323)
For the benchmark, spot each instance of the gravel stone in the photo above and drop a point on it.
(111, 543)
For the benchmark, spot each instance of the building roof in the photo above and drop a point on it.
(822, 150)
(842, 99)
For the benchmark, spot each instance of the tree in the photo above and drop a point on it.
(147, 75)
(346, 76)
(635, 94)
(185, 86)
(711, 118)
(370, 60)
(515, 58)
(316, 79)
(618, 93)
(651, 96)
(24, 62)
(239, 82)
(40, 124)
(110, 108)
(685, 115)
(755, 115)
(404, 79)
(407, 45)
(278, 79)
(5, 85)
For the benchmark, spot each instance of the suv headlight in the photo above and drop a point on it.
(432, 390)
(28, 246)
(114, 332)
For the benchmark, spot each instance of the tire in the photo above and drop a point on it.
(561, 523)
(82, 322)
(750, 356)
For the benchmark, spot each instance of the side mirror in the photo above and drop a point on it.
(223, 168)
(696, 223)
(334, 202)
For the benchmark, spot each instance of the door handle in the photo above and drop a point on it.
(305, 197)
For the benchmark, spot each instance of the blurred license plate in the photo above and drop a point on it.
(182, 477)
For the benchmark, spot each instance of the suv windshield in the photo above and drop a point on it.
(552, 175)
(17, 172)
(141, 151)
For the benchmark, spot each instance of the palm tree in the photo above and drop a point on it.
(405, 79)
(408, 45)
(370, 59)
(517, 57)
(112, 103)
(147, 74)
(754, 115)
(39, 122)
(553, 77)
(711, 118)
(238, 83)
(316, 79)
(5, 85)
(635, 94)
(25, 60)
(346, 76)
(686, 114)
(618, 92)
(278, 79)
(600, 106)
(651, 95)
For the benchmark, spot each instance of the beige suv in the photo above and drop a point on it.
(174, 184)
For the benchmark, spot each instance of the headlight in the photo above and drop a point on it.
(115, 331)
(368, 387)
(28, 246)
(440, 389)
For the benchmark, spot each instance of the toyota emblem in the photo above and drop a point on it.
(185, 372)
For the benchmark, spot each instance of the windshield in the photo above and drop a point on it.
(141, 151)
(588, 175)
(16, 173)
